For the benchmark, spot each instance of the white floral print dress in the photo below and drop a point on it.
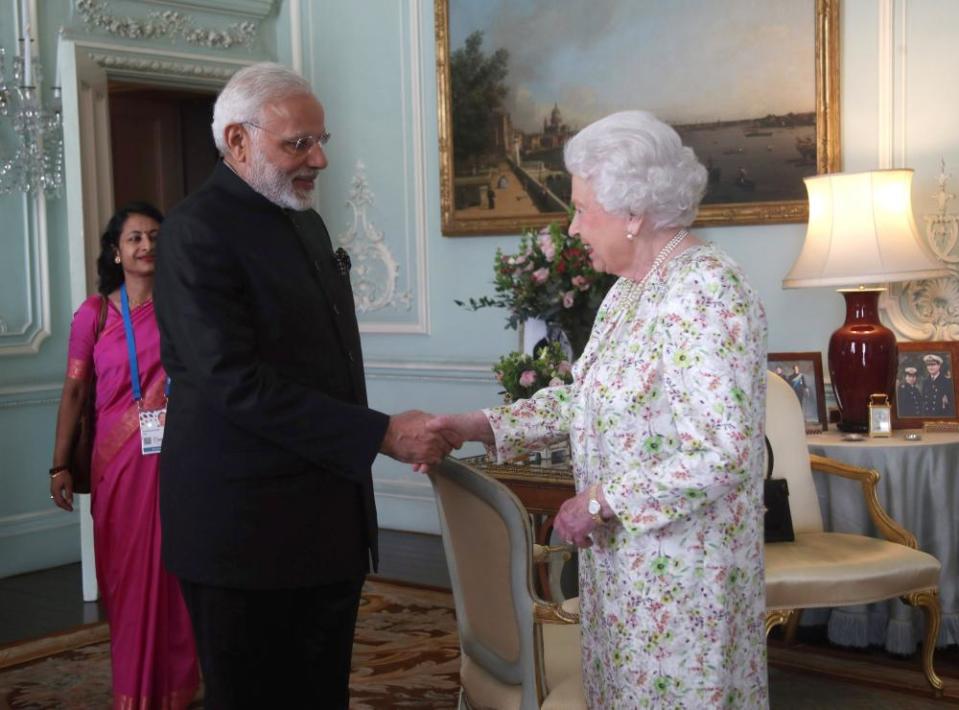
(666, 413)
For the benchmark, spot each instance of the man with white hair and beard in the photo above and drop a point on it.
(266, 496)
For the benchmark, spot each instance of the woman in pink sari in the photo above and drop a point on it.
(151, 643)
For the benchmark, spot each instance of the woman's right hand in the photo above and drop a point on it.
(468, 426)
(61, 490)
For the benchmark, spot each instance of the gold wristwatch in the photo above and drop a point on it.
(594, 507)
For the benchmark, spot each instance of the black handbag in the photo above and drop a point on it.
(778, 518)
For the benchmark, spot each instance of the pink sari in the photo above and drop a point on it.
(151, 641)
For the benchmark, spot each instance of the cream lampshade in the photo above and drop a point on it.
(861, 231)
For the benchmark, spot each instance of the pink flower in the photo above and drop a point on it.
(527, 378)
(540, 275)
(581, 282)
(568, 298)
(546, 245)
(564, 368)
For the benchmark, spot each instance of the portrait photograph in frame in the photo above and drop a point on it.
(925, 383)
(516, 80)
(803, 372)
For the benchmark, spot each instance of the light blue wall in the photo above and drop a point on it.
(372, 64)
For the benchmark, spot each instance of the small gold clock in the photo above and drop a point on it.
(880, 415)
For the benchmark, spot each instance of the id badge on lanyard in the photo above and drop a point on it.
(152, 421)
(151, 430)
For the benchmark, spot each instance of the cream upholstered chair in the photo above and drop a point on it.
(518, 652)
(826, 569)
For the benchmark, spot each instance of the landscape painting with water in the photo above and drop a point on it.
(737, 79)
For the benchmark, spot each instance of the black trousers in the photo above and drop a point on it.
(287, 648)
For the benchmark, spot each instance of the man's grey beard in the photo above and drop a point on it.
(275, 185)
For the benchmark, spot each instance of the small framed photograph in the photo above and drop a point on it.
(925, 383)
(803, 372)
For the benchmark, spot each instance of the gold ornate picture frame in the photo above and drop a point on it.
(514, 180)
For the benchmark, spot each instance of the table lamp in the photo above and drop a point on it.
(861, 232)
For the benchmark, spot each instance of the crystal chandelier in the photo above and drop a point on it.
(36, 161)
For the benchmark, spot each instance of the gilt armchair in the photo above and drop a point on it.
(518, 652)
(827, 569)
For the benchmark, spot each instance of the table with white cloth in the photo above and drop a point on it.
(919, 488)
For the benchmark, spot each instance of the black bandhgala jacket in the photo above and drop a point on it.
(265, 478)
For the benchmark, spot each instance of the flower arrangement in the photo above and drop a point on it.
(550, 278)
(522, 374)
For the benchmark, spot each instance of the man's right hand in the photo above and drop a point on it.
(408, 440)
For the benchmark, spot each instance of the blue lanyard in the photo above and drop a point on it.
(132, 348)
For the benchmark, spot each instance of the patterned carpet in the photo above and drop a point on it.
(407, 656)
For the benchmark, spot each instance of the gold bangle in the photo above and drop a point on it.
(57, 470)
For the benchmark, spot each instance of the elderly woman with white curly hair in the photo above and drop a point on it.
(665, 422)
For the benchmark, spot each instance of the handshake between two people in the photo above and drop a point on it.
(423, 439)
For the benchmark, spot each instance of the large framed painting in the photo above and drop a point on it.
(926, 384)
(752, 87)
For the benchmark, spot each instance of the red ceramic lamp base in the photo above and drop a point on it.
(862, 359)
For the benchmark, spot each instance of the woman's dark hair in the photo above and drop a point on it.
(110, 273)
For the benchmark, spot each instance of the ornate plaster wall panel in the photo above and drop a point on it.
(927, 309)
(375, 272)
(25, 309)
(212, 24)
(387, 241)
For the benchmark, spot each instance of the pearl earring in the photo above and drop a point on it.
(116, 259)
(630, 236)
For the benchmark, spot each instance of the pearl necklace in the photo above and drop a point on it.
(631, 297)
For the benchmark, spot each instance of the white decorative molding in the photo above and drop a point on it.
(30, 395)
(156, 65)
(415, 151)
(296, 36)
(34, 327)
(165, 24)
(375, 271)
(886, 70)
(413, 130)
(431, 372)
(252, 8)
(902, 56)
(406, 505)
(40, 521)
(929, 309)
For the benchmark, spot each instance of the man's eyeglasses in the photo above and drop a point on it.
(297, 146)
